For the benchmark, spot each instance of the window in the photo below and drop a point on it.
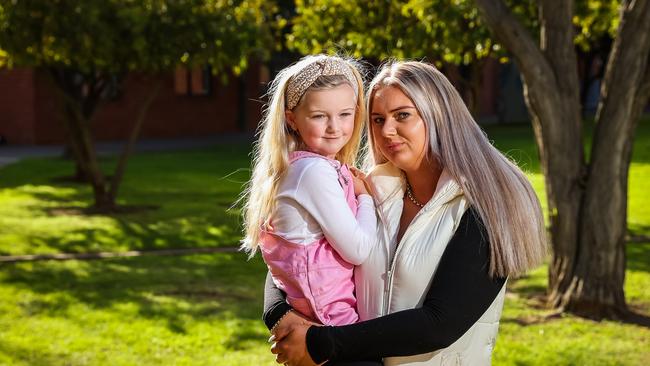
(194, 82)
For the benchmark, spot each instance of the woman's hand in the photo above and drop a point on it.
(292, 349)
(286, 323)
(358, 179)
(291, 321)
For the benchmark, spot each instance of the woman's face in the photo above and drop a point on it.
(397, 129)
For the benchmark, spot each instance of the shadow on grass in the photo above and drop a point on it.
(30, 356)
(638, 256)
(209, 223)
(194, 191)
(171, 289)
(636, 318)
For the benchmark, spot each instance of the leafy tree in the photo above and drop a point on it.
(445, 32)
(587, 198)
(89, 46)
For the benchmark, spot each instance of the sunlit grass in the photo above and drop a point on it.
(192, 310)
(191, 192)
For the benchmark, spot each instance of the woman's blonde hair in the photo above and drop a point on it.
(276, 140)
(493, 184)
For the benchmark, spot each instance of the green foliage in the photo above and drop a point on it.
(122, 35)
(595, 19)
(442, 29)
(449, 31)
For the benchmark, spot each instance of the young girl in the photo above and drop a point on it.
(312, 219)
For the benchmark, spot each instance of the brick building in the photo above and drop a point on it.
(193, 103)
(190, 103)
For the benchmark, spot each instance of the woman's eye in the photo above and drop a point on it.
(378, 120)
(402, 115)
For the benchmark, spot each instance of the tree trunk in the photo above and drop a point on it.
(133, 137)
(81, 94)
(88, 161)
(600, 271)
(587, 203)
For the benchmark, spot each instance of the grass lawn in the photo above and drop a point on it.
(193, 189)
(205, 309)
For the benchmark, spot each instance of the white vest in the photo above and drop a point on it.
(396, 278)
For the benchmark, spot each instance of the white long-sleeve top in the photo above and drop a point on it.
(311, 204)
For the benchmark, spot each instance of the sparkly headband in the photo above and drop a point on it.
(300, 82)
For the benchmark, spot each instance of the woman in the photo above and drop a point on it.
(457, 218)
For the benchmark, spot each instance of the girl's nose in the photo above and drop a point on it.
(333, 124)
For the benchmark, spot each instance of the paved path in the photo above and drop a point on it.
(107, 255)
(10, 154)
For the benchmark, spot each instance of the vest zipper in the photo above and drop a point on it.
(391, 268)
(387, 248)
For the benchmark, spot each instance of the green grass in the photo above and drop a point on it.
(194, 190)
(190, 310)
(206, 309)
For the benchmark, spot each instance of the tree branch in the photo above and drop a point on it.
(626, 76)
(517, 39)
(557, 44)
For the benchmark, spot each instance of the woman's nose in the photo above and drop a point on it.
(388, 128)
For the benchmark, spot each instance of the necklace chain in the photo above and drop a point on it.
(409, 194)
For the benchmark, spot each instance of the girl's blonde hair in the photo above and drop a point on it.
(494, 185)
(275, 142)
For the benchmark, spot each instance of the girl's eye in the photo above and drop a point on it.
(378, 120)
(346, 114)
(318, 116)
(402, 115)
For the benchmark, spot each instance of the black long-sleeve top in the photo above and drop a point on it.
(460, 292)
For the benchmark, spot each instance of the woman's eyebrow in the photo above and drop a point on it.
(402, 107)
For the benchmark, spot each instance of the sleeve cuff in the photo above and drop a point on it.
(319, 344)
(275, 313)
(366, 198)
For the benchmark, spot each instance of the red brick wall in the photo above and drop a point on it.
(30, 111)
(17, 113)
(48, 123)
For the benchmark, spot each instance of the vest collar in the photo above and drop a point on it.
(388, 183)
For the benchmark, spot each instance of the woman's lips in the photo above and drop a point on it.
(395, 146)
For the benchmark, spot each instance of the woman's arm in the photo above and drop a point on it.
(461, 291)
(275, 304)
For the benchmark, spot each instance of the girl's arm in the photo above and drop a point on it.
(461, 291)
(320, 194)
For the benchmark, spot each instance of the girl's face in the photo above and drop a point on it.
(397, 129)
(324, 119)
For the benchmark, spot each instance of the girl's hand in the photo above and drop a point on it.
(292, 349)
(358, 179)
